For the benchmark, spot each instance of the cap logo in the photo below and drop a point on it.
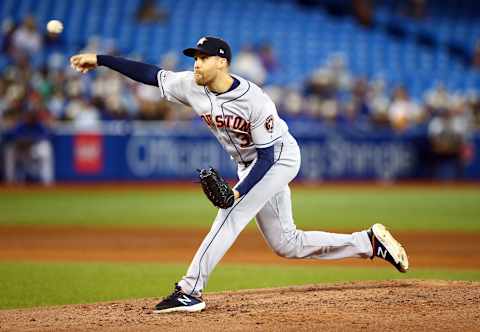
(201, 41)
(221, 51)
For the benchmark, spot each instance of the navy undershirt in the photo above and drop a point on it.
(265, 160)
(147, 74)
(137, 71)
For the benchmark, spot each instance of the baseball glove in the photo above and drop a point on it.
(216, 188)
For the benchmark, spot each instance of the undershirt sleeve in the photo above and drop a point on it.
(137, 71)
(265, 160)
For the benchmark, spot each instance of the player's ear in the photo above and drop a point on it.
(222, 63)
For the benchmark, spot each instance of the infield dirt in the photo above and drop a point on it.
(402, 305)
(425, 249)
(407, 305)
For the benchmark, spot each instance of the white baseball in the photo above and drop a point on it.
(54, 26)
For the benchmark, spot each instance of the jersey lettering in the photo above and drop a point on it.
(240, 127)
(207, 118)
(228, 119)
(249, 120)
(237, 122)
(219, 121)
(244, 126)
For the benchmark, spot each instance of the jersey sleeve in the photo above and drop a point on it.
(266, 125)
(174, 85)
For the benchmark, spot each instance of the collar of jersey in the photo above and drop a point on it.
(228, 94)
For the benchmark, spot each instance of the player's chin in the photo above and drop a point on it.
(200, 80)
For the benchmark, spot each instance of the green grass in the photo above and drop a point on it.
(434, 208)
(38, 284)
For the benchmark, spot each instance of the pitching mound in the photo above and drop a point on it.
(407, 305)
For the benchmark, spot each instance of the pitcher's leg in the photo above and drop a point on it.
(276, 223)
(228, 225)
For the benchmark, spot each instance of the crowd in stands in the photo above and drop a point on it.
(57, 92)
(40, 96)
(331, 94)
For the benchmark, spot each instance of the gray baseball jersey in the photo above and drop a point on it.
(242, 120)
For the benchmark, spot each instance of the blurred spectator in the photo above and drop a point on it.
(267, 57)
(56, 104)
(378, 103)
(150, 104)
(169, 61)
(149, 12)
(28, 153)
(449, 132)
(415, 8)
(41, 83)
(107, 83)
(355, 108)
(363, 11)
(321, 84)
(83, 115)
(3, 102)
(473, 101)
(437, 98)
(56, 62)
(321, 92)
(476, 56)
(8, 28)
(338, 71)
(26, 39)
(96, 44)
(249, 65)
(403, 112)
(12, 101)
(293, 103)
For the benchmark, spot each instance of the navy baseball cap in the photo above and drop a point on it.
(210, 46)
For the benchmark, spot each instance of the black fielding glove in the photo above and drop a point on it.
(216, 188)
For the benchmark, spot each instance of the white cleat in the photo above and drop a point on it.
(386, 247)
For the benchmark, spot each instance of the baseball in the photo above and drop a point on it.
(54, 26)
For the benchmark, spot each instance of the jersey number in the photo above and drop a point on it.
(245, 139)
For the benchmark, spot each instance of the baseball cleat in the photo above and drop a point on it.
(179, 301)
(386, 247)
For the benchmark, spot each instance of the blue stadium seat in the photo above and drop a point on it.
(302, 39)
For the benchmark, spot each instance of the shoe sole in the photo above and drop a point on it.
(394, 247)
(192, 308)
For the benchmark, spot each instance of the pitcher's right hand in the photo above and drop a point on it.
(83, 62)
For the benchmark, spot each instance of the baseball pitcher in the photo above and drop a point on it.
(245, 122)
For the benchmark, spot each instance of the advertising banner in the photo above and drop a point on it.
(137, 153)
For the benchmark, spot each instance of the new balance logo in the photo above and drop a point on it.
(184, 300)
(382, 252)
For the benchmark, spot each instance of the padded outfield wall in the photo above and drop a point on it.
(137, 151)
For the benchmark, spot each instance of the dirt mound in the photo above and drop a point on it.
(407, 305)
